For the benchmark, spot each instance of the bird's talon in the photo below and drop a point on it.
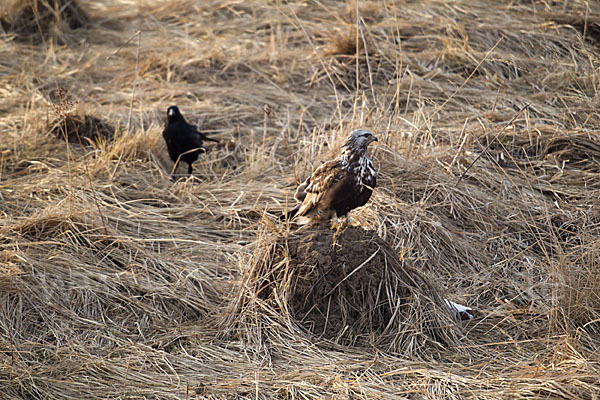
(339, 226)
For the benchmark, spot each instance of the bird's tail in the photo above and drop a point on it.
(209, 139)
(290, 214)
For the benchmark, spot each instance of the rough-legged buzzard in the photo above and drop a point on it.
(339, 185)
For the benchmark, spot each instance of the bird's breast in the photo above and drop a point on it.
(364, 172)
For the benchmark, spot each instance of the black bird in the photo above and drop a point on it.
(184, 142)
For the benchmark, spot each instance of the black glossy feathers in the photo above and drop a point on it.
(184, 142)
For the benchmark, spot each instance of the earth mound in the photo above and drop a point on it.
(83, 129)
(351, 289)
(37, 19)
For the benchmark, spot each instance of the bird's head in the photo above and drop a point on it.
(359, 140)
(173, 114)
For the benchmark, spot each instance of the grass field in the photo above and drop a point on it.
(119, 283)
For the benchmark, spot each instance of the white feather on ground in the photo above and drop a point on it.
(462, 311)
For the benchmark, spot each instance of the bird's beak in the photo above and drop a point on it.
(374, 139)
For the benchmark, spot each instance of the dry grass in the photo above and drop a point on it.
(118, 283)
(350, 289)
(39, 20)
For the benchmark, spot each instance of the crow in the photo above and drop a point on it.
(184, 142)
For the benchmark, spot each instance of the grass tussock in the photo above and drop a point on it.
(82, 129)
(38, 20)
(116, 282)
(350, 289)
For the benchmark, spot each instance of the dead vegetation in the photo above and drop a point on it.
(351, 289)
(39, 20)
(82, 129)
(118, 283)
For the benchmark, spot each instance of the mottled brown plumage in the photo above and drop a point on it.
(337, 186)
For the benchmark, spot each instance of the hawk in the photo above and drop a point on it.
(339, 185)
(184, 142)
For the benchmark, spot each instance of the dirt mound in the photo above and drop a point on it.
(84, 129)
(36, 19)
(351, 289)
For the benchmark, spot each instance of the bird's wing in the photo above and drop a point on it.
(193, 136)
(301, 190)
(204, 137)
(199, 137)
(168, 132)
(320, 182)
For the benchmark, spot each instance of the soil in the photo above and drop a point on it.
(34, 20)
(82, 129)
(353, 289)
